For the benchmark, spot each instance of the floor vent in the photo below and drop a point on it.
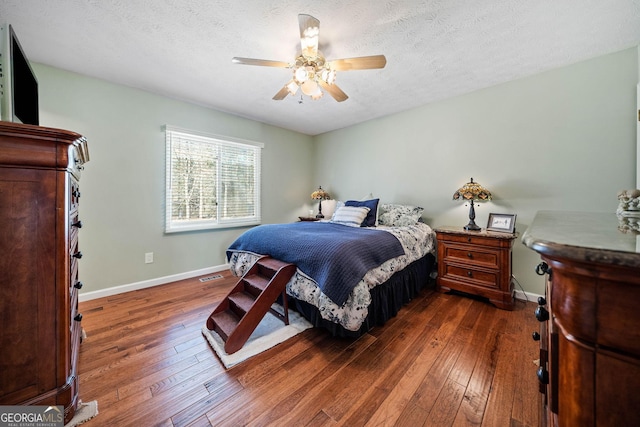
(214, 277)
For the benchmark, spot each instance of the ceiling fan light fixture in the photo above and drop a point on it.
(328, 75)
(300, 75)
(316, 95)
(309, 87)
(292, 87)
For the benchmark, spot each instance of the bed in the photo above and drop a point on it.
(350, 277)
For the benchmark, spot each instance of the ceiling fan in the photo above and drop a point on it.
(311, 72)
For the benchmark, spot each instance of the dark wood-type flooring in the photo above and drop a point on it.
(444, 360)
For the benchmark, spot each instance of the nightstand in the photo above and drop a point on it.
(476, 262)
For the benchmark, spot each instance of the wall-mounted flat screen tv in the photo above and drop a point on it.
(18, 83)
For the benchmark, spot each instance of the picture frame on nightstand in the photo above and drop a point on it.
(504, 223)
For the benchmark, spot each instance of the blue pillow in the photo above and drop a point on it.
(370, 220)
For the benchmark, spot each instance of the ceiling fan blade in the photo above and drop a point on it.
(262, 62)
(334, 91)
(360, 63)
(309, 33)
(282, 94)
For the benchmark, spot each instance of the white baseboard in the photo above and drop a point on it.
(527, 296)
(87, 296)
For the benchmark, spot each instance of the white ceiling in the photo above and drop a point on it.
(435, 49)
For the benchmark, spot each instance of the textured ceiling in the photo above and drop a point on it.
(435, 49)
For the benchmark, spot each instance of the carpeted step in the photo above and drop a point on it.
(255, 283)
(269, 266)
(225, 323)
(241, 302)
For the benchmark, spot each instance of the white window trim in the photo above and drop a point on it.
(171, 227)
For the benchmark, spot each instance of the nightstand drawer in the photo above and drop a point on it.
(476, 277)
(471, 256)
(473, 240)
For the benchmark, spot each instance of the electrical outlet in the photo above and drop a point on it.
(148, 258)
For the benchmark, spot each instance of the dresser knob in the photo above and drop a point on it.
(535, 336)
(542, 269)
(470, 273)
(542, 314)
(542, 301)
(77, 224)
(469, 239)
(78, 285)
(77, 255)
(543, 375)
(469, 254)
(78, 317)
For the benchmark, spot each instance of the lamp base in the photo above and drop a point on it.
(320, 216)
(472, 227)
(472, 223)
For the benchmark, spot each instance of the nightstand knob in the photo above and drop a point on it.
(470, 273)
(469, 239)
(78, 285)
(535, 336)
(469, 254)
(542, 301)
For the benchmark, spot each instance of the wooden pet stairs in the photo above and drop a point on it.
(240, 312)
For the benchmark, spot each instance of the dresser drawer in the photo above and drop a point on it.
(471, 255)
(470, 275)
(75, 330)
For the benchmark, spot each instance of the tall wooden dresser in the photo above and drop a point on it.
(40, 333)
(589, 319)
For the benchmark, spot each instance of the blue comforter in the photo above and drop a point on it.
(336, 256)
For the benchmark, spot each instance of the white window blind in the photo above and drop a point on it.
(211, 181)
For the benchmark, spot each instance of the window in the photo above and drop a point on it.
(212, 181)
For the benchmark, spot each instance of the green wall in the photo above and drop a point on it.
(122, 205)
(560, 140)
(564, 139)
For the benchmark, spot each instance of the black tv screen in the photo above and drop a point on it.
(24, 84)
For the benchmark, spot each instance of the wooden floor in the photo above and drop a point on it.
(444, 360)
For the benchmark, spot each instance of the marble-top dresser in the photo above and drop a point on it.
(590, 319)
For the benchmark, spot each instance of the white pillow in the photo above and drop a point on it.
(328, 208)
(339, 204)
(350, 215)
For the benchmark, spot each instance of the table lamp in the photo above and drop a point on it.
(473, 192)
(320, 195)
